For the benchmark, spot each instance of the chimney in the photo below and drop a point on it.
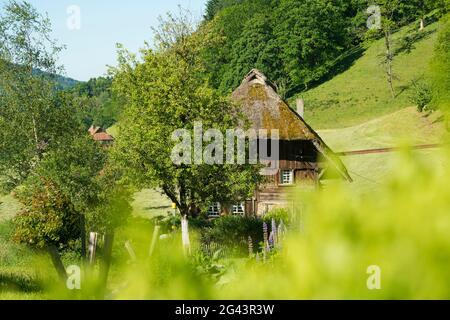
(301, 107)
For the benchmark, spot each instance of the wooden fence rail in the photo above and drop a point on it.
(386, 150)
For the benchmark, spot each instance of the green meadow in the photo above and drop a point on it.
(361, 92)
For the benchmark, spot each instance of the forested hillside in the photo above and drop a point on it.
(297, 44)
(63, 83)
(98, 105)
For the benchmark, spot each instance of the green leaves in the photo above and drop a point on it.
(421, 94)
(98, 106)
(48, 217)
(311, 35)
(25, 38)
(44, 149)
(34, 118)
(293, 42)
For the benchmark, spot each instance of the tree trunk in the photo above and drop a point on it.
(422, 24)
(183, 205)
(180, 205)
(180, 199)
(57, 262)
(36, 138)
(184, 210)
(389, 60)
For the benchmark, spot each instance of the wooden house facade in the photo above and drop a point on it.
(304, 158)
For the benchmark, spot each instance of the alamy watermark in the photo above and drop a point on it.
(374, 279)
(73, 277)
(230, 148)
(73, 21)
(374, 21)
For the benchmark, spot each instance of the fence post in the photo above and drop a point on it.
(185, 236)
(154, 240)
(93, 237)
(130, 250)
(250, 247)
(266, 241)
(275, 233)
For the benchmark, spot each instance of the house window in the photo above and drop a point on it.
(214, 210)
(239, 209)
(287, 177)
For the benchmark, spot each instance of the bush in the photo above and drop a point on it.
(48, 216)
(233, 232)
(279, 214)
(171, 223)
(167, 223)
(421, 94)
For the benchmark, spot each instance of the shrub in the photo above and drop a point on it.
(48, 216)
(421, 94)
(279, 214)
(233, 232)
(171, 223)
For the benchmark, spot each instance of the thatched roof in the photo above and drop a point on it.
(267, 110)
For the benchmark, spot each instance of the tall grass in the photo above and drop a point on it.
(24, 273)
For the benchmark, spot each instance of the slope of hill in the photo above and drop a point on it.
(361, 93)
(64, 83)
(404, 127)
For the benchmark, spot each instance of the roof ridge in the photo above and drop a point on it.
(256, 74)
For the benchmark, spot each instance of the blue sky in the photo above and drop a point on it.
(104, 23)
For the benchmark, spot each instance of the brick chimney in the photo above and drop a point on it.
(301, 107)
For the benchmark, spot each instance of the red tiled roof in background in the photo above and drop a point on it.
(103, 136)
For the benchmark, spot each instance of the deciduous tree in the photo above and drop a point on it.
(33, 116)
(167, 91)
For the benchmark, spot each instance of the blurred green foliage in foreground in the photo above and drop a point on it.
(403, 227)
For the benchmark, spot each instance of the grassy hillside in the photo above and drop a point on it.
(113, 130)
(21, 268)
(389, 130)
(8, 207)
(150, 203)
(406, 126)
(361, 93)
